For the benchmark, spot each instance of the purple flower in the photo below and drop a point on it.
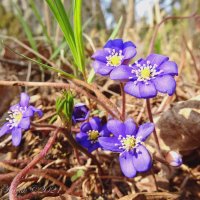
(128, 141)
(19, 119)
(114, 54)
(174, 159)
(90, 133)
(148, 76)
(80, 113)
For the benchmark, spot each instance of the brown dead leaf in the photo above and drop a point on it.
(180, 126)
(152, 196)
(64, 197)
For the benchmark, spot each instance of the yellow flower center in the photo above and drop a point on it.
(128, 143)
(115, 60)
(145, 73)
(93, 135)
(17, 117)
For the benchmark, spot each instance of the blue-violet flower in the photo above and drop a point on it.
(174, 159)
(128, 140)
(80, 113)
(19, 119)
(90, 132)
(114, 54)
(148, 76)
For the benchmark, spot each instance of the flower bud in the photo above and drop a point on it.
(173, 158)
(80, 113)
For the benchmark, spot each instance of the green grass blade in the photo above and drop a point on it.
(45, 66)
(63, 45)
(78, 34)
(26, 29)
(91, 76)
(116, 30)
(37, 15)
(58, 10)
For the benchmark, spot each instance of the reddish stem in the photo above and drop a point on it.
(123, 115)
(151, 120)
(21, 174)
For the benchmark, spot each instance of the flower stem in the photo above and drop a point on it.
(151, 120)
(123, 115)
(21, 174)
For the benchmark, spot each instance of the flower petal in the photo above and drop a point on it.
(101, 55)
(24, 100)
(141, 159)
(129, 52)
(16, 136)
(85, 127)
(4, 129)
(82, 139)
(123, 72)
(110, 143)
(118, 43)
(105, 132)
(132, 89)
(14, 107)
(126, 164)
(93, 147)
(131, 127)
(145, 130)
(169, 67)
(35, 110)
(95, 123)
(147, 90)
(128, 44)
(25, 123)
(101, 68)
(29, 112)
(157, 59)
(116, 127)
(165, 84)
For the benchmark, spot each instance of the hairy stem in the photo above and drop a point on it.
(21, 174)
(151, 120)
(123, 115)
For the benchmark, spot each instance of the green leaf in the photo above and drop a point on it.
(64, 107)
(78, 174)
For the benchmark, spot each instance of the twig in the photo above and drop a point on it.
(151, 46)
(102, 100)
(40, 194)
(16, 181)
(193, 58)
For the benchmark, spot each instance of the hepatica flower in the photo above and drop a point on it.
(128, 141)
(114, 54)
(149, 76)
(19, 119)
(90, 132)
(80, 113)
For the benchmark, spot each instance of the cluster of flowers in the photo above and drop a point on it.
(143, 79)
